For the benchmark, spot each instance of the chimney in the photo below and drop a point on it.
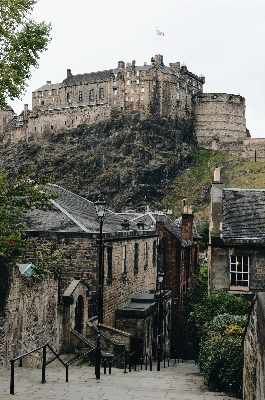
(69, 73)
(125, 225)
(140, 225)
(187, 224)
(26, 109)
(159, 60)
(216, 217)
(145, 63)
(48, 82)
(121, 64)
(133, 65)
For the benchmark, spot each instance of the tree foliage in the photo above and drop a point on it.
(21, 42)
(49, 261)
(17, 197)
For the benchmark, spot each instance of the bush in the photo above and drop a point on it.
(220, 358)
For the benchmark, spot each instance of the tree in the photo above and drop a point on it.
(16, 198)
(21, 42)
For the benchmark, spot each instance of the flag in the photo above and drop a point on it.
(160, 33)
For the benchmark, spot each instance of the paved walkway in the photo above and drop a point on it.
(178, 381)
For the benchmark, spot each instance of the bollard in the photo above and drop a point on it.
(130, 367)
(150, 364)
(105, 366)
(168, 362)
(44, 364)
(12, 380)
(141, 364)
(164, 360)
(146, 362)
(66, 372)
(20, 362)
(110, 364)
(125, 361)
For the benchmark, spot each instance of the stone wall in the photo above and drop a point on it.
(254, 352)
(32, 317)
(219, 120)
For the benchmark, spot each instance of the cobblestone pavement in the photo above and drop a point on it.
(178, 381)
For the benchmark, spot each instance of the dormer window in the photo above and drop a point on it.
(91, 95)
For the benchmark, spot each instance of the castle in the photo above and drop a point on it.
(218, 119)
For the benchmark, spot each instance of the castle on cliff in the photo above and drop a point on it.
(218, 119)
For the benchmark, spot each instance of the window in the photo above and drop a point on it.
(131, 90)
(137, 81)
(142, 97)
(177, 96)
(91, 95)
(80, 96)
(109, 261)
(239, 271)
(101, 94)
(69, 97)
(115, 92)
(142, 90)
(131, 98)
(114, 102)
(136, 257)
(128, 74)
(145, 255)
(154, 253)
(123, 265)
(128, 82)
(126, 98)
(137, 73)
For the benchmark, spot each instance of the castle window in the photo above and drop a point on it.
(138, 81)
(199, 86)
(142, 90)
(51, 126)
(42, 103)
(80, 96)
(115, 92)
(128, 82)
(128, 74)
(64, 122)
(131, 98)
(123, 264)
(126, 98)
(91, 95)
(101, 94)
(137, 73)
(142, 97)
(131, 90)
(53, 99)
(177, 95)
(68, 97)
(125, 91)
(239, 271)
(178, 85)
(114, 102)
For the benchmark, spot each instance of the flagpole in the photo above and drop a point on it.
(156, 40)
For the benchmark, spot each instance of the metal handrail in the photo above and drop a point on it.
(44, 347)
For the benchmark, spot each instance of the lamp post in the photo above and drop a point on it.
(160, 280)
(100, 206)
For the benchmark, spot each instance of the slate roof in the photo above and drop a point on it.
(90, 77)
(51, 86)
(73, 214)
(243, 214)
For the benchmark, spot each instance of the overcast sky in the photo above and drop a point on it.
(224, 40)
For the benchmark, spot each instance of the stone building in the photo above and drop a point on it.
(66, 306)
(178, 257)
(217, 119)
(237, 239)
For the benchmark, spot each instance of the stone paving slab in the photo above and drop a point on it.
(178, 381)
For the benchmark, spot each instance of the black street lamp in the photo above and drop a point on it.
(100, 206)
(160, 276)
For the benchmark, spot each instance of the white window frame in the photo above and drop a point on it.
(239, 271)
(123, 263)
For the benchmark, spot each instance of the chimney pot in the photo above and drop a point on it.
(48, 82)
(216, 175)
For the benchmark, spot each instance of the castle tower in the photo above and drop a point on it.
(219, 120)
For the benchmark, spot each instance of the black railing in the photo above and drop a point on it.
(44, 350)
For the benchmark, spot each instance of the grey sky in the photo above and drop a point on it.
(224, 40)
